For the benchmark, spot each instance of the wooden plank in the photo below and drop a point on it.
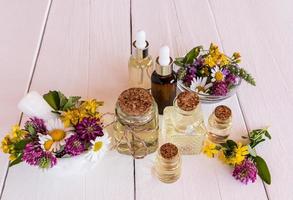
(183, 25)
(84, 42)
(21, 27)
(262, 31)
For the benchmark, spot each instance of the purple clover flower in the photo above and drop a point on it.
(74, 146)
(245, 172)
(230, 79)
(38, 124)
(219, 89)
(88, 129)
(34, 155)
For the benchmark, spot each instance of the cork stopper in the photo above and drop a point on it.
(168, 151)
(223, 112)
(135, 101)
(187, 101)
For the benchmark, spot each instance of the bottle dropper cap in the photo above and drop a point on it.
(140, 45)
(164, 63)
(140, 39)
(164, 56)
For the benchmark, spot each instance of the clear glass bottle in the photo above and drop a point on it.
(140, 64)
(168, 163)
(136, 128)
(219, 124)
(183, 124)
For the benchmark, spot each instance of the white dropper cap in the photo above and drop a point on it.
(164, 56)
(140, 39)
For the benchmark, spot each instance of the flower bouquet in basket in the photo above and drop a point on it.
(211, 73)
(58, 127)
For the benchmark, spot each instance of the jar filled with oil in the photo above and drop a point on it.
(183, 124)
(136, 128)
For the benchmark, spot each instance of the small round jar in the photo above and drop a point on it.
(168, 163)
(219, 124)
(136, 128)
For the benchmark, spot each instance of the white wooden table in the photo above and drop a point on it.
(81, 47)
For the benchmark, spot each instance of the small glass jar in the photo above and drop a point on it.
(183, 123)
(168, 163)
(136, 128)
(219, 124)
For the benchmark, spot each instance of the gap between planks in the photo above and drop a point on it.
(237, 97)
(34, 64)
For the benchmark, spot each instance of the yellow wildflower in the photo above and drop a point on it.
(70, 117)
(236, 55)
(91, 105)
(210, 149)
(209, 61)
(5, 144)
(18, 133)
(12, 157)
(240, 153)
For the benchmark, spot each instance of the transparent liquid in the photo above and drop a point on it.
(148, 133)
(139, 71)
(187, 132)
(218, 130)
(168, 171)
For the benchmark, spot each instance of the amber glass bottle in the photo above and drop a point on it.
(164, 80)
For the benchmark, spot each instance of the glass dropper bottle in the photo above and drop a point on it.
(140, 64)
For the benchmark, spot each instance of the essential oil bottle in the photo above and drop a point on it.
(183, 124)
(164, 80)
(140, 65)
(219, 124)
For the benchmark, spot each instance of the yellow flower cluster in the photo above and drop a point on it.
(86, 109)
(237, 156)
(9, 141)
(215, 57)
(210, 149)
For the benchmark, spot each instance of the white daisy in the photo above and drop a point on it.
(199, 85)
(57, 134)
(99, 147)
(217, 74)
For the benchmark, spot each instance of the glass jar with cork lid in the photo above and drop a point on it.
(183, 123)
(168, 163)
(136, 128)
(219, 124)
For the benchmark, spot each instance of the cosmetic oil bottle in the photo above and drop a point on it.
(140, 65)
(219, 124)
(183, 124)
(164, 80)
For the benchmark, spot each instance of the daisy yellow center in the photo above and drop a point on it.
(57, 134)
(200, 89)
(97, 146)
(219, 76)
(48, 144)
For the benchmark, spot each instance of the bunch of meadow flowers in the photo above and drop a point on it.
(243, 158)
(210, 71)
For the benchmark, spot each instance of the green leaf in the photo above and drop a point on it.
(179, 62)
(52, 98)
(63, 99)
(19, 146)
(70, 103)
(263, 170)
(31, 130)
(16, 161)
(191, 55)
(251, 151)
(267, 134)
(231, 144)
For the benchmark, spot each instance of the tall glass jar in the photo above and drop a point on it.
(183, 123)
(168, 163)
(136, 128)
(219, 124)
